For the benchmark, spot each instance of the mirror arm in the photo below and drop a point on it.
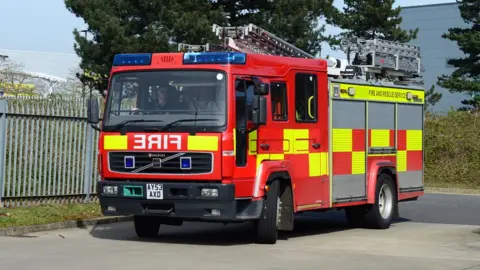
(95, 127)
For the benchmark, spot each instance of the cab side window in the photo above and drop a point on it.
(279, 103)
(306, 97)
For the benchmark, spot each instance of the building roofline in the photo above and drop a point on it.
(430, 5)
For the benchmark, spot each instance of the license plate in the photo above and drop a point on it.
(155, 191)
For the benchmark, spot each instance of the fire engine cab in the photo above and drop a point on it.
(257, 130)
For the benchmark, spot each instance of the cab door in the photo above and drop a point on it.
(305, 140)
(271, 136)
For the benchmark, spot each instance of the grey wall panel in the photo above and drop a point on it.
(433, 21)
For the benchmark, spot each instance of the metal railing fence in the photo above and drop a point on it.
(47, 151)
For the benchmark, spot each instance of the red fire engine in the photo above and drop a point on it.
(259, 132)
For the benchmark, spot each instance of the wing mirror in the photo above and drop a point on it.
(93, 111)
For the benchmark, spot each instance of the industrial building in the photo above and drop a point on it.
(433, 21)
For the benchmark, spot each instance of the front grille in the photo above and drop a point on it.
(160, 162)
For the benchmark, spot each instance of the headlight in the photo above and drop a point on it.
(209, 192)
(110, 190)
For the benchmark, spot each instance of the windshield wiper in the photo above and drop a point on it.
(123, 123)
(174, 123)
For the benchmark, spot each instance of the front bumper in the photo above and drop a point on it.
(181, 201)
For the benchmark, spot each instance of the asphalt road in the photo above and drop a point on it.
(436, 232)
(434, 208)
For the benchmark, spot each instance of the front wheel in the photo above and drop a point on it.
(267, 232)
(146, 226)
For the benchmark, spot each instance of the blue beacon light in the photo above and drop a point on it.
(129, 162)
(185, 163)
(215, 58)
(132, 59)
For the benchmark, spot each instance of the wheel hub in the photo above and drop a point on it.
(385, 201)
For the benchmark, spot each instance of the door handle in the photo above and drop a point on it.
(316, 145)
(265, 146)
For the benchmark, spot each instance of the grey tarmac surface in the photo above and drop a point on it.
(437, 232)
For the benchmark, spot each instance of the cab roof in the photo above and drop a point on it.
(234, 62)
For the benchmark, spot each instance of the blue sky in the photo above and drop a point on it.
(40, 36)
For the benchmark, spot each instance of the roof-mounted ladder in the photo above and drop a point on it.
(380, 57)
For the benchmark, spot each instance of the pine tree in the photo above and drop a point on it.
(372, 19)
(152, 26)
(466, 77)
(431, 98)
(136, 26)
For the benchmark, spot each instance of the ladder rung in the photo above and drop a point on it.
(259, 40)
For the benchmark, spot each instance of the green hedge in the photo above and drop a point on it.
(452, 150)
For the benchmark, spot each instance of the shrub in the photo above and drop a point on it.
(452, 149)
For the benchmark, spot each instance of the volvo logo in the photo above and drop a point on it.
(156, 155)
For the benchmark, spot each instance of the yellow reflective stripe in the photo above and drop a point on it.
(358, 162)
(314, 164)
(252, 143)
(380, 138)
(342, 140)
(277, 156)
(414, 140)
(288, 141)
(402, 161)
(378, 93)
(234, 142)
(115, 142)
(262, 157)
(301, 140)
(202, 143)
(317, 164)
(324, 164)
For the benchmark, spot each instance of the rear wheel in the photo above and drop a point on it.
(380, 214)
(146, 226)
(267, 232)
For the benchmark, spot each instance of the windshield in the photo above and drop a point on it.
(155, 99)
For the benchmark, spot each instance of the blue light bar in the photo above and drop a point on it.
(132, 59)
(215, 58)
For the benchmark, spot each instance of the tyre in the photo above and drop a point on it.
(356, 216)
(146, 226)
(381, 213)
(266, 226)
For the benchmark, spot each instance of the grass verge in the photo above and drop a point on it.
(45, 214)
